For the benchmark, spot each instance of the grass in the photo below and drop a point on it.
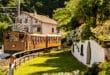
(3, 71)
(53, 63)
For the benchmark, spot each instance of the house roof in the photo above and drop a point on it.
(41, 18)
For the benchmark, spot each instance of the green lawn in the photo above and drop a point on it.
(53, 63)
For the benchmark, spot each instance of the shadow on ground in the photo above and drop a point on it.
(64, 62)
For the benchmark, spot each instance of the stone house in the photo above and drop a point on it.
(34, 23)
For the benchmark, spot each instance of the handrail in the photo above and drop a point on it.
(19, 57)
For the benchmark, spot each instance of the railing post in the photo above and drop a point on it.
(11, 65)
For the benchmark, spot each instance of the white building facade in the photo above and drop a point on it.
(88, 52)
(34, 23)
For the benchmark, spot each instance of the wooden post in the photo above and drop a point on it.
(11, 65)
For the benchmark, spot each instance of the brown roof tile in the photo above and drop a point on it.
(41, 18)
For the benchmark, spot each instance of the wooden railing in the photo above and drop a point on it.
(17, 58)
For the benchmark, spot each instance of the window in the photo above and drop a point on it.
(26, 29)
(36, 40)
(38, 29)
(14, 38)
(20, 20)
(21, 36)
(26, 20)
(52, 30)
(81, 51)
(7, 37)
(73, 47)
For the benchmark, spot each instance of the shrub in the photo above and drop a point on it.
(99, 69)
(94, 70)
(105, 68)
(69, 41)
(4, 71)
(84, 32)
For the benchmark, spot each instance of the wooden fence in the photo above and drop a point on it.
(20, 57)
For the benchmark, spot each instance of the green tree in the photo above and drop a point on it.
(65, 16)
(5, 21)
(104, 68)
(3, 2)
(6, 18)
(44, 7)
(3, 27)
(94, 10)
(83, 11)
(90, 12)
(12, 3)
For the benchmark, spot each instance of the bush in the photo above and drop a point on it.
(66, 42)
(99, 69)
(4, 71)
(63, 42)
(105, 68)
(86, 32)
(83, 32)
(94, 70)
(69, 42)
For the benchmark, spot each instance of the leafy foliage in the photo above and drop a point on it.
(93, 10)
(5, 21)
(3, 71)
(12, 3)
(41, 6)
(99, 69)
(102, 32)
(70, 14)
(94, 70)
(45, 7)
(65, 16)
(3, 27)
(88, 12)
(84, 32)
(105, 68)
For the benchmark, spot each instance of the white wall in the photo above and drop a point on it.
(97, 52)
(47, 28)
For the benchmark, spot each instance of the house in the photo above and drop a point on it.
(88, 52)
(91, 51)
(34, 23)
